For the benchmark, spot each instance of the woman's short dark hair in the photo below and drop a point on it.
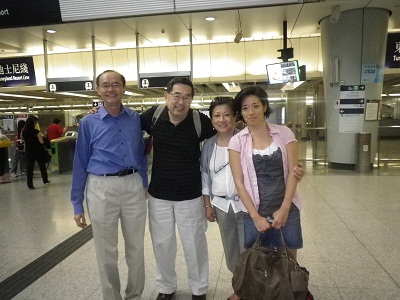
(181, 80)
(253, 91)
(56, 120)
(229, 101)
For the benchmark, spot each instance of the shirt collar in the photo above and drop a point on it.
(272, 128)
(103, 112)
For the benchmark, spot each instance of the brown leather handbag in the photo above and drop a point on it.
(264, 273)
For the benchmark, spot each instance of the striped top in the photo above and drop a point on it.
(176, 153)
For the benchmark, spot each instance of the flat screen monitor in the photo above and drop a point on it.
(283, 72)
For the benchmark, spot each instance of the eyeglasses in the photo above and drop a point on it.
(220, 168)
(215, 157)
(106, 86)
(222, 100)
(178, 97)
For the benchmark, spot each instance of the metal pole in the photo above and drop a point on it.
(379, 147)
(46, 64)
(191, 53)
(94, 61)
(137, 58)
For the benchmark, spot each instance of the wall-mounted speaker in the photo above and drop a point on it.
(334, 64)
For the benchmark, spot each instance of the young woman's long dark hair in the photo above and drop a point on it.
(29, 126)
(20, 126)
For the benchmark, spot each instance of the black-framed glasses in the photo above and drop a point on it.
(178, 97)
(220, 168)
(215, 158)
(222, 100)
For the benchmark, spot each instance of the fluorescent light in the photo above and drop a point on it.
(75, 95)
(128, 93)
(65, 105)
(40, 106)
(210, 19)
(394, 95)
(51, 31)
(24, 96)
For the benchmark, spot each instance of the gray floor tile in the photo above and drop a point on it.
(351, 233)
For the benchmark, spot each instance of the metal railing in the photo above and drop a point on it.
(387, 146)
(312, 143)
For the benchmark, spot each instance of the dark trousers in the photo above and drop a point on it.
(3, 160)
(30, 164)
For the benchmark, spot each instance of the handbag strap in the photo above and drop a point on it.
(257, 243)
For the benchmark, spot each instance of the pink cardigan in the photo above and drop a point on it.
(242, 143)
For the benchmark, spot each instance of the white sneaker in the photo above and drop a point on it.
(14, 175)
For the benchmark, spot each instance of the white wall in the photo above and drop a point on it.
(211, 62)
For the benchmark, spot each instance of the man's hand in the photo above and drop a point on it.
(93, 110)
(210, 214)
(298, 171)
(80, 220)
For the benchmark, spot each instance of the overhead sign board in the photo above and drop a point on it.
(393, 51)
(17, 71)
(23, 13)
(159, 80)
(72, 84)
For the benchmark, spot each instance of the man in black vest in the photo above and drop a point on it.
(175, 196)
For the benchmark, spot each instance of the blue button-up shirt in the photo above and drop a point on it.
(106, 145)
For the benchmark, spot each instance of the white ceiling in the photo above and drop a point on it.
(302, 21)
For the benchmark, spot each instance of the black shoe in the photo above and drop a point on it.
(31, 187)
(199, 297)
(47, 182)
(162, 296)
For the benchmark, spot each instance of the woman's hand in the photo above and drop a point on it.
(298, 171)
(210, 214)
(280, 218)
(261, 223)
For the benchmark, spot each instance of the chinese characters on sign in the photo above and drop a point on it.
(17, 71)
(372, 73)
(393, 51)
(351, 108)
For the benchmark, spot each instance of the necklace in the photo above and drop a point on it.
(215, 156)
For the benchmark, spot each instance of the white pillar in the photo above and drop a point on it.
(356, 40)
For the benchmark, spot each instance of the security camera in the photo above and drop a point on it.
(162, 30)
(335, 14)
(238, 37)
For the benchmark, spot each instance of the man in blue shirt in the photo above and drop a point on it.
(110, 163)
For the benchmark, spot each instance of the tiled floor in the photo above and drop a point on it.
(351, 230)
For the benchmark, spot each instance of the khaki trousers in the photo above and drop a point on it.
(113, 199)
